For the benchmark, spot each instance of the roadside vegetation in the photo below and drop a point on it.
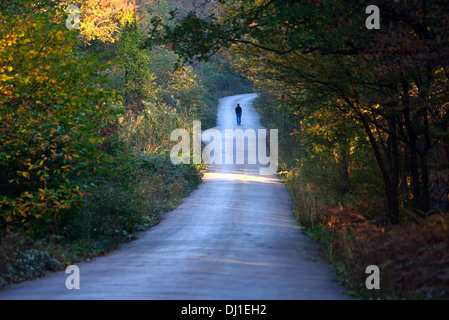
(85, 123)
(363, 116)
(349, 219)
(86, 115)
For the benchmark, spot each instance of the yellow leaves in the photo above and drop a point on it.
(26, 175)
(45, 130)
(26, 194)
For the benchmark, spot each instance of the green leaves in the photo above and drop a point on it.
(316, 55)
(49, 116)
(135, 63)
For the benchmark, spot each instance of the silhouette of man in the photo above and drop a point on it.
(238, 112)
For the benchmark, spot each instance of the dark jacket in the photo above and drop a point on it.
(238, 110)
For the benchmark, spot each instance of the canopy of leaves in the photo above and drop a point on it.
(392, 82)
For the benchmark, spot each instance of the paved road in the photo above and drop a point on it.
(235, 237)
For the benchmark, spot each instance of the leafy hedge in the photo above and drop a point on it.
(73, 181)
(51, 108)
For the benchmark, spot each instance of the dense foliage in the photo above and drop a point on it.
(313, 54)
(86, 115)
(85, 122)
(366, 108)
(52, 108)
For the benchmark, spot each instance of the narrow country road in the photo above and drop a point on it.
(234, 238)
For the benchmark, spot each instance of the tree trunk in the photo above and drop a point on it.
(394, 170)
(413, 148)
(424, 164)
(391, 189)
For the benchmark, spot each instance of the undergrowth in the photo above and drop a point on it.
(346, 215)
(130, 197)
(413, 257)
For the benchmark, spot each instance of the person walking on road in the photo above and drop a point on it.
(238, 112)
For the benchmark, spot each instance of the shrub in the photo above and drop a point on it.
(413, 258)
(22, 259)
(50, 112)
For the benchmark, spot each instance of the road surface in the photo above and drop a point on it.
(233, 238)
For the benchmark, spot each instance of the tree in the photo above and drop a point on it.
(386, 79)
(135, 63)
(100, 19)
(51, 112)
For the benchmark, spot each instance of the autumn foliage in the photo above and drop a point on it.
(413, 258)
(82, 169)
(51, 109)
(364, 115)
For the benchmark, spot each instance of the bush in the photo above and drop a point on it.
(22, 259)
(130, 196)
(51, 108)
(75, 178)
(413, 258)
